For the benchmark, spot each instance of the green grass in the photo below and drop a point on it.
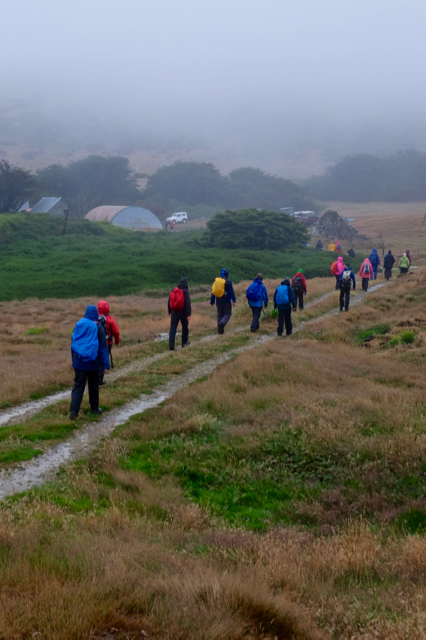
(100, 259)
(377, 330)
(36, 331)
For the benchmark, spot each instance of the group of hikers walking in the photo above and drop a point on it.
(93, 335)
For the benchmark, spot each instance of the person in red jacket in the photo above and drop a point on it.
(298, 284)
(366, 273)
(111, 331)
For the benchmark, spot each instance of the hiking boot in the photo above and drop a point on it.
(341, 309)
(96, 412)
(252, 330)
(171, 348)
(280, 334)
(186, 344)
(220, 328)
(102, 382)
(73, 416)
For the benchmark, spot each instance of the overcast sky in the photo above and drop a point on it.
(279, 71)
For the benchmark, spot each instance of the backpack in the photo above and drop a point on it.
(218, 288)
(339, 246)
(253, 292)
(297, 284)
(104, 324)
(366, 268)
(177, 299)
(282, 295)
(374, 258)
(346, 278)
(85, 343)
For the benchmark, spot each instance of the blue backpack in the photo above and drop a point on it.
(253, 292)
(85, 343)
(282, 295)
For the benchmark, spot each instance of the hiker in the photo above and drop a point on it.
(346, 278)
(366, 272)
(338, 246)
(409, 256)
(257, 297)
(404, 264)
(179, 306)
(111, 332)
(166, 224)
(351, 252)
(388, 263)
(375, 262)
(319, 245)
(284, 300)
(331, 246)
(223, 293)
(336, 270)
(298, 284)
(89, 350)
(172, 225)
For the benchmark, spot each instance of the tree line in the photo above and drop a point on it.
(362, 177)
(98, 180)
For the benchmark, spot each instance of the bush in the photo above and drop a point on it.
(407, 337)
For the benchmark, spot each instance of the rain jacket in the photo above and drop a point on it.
(111, 325)
(361, 271)
(292, 298)
(263, 296)
(340, 265)
(103, 356)
(352, 278)
(404, 262)
(388, 261)
(186, 311)
(229, 295)
(374, 259)
(304, 288)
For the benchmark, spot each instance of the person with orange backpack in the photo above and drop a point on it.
(223, 294)
(179, 306)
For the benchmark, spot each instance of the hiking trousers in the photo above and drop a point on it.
(256, 316)
(365, 283)
(374, 273)
(224, 312)
(175, 319)
(388, 273)
(345, 295)
(337, 281)
(299, 298)
(80, 377)
(284, 316)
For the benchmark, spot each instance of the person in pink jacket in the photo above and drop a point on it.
(366, 273)
(339, 269)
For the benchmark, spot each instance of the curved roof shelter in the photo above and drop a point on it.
(126, 217)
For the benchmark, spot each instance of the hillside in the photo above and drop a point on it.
(100, 260)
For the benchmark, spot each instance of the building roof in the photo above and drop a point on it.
(104, 213)
(45, 205)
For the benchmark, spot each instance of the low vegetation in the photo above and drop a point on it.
(99, 259)
(283, 496)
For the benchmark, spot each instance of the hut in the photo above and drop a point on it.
(54, 206)
(136, 218)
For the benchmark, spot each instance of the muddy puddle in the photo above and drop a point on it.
(35, 472)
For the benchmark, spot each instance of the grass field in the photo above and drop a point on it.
(36, 261)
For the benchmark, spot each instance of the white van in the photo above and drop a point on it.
(181, 216)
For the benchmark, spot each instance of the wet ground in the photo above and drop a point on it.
(35, 472)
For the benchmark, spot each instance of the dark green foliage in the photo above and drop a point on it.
(377, 330)
(16, 187)
(97, 259)
(413, 521)
(252, 229)
(91, 182)
(195, 183)
(364, 178)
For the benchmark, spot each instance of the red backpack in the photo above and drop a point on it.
(177, 299)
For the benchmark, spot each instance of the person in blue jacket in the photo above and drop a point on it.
(375, 262)
(347, 278)
(225, 303)
(88, 350)
(284, 301)
(257, 297)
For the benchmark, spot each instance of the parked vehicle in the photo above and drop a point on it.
(288, 210)
(307, 217)
(181, 216)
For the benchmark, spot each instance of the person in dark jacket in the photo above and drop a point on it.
(257, 305)
(375, 262)
(225, 303)
(183, 316)
(351, 253)
(88, 370)
(284, 309)
(346, 278)
(319, 245)
(388, 263)
(298, 284)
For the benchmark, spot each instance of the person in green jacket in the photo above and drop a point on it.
(404, 264)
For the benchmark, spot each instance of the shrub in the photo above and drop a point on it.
(407, 337)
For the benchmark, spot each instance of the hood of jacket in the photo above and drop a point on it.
(91, 313)
(286, 281)
(183, 283)
(340, 260)
(374, 250)
(103, 307)
(224, 273)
